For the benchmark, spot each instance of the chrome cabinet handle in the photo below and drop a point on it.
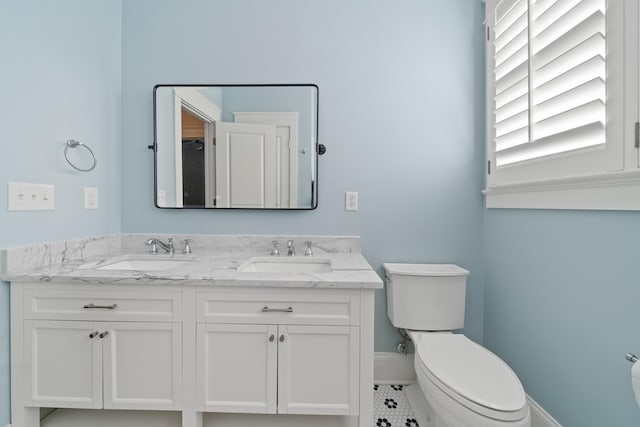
(271, 338)
(108, 307)
(92, 335)
(281, 338)
(266, 309)
(104, 334)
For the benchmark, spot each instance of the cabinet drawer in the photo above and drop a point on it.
(115, 305)
(271, 308)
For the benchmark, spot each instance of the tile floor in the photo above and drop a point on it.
(391, 407)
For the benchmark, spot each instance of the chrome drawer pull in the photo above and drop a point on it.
(108, 307)
(266, 309)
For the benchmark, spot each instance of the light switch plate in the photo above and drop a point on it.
(31, 197)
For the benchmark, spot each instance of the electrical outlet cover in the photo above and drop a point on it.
(351, 201)
(90, 198)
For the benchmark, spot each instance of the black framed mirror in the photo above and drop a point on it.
(236, 146)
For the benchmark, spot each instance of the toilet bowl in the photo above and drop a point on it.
(460, 382)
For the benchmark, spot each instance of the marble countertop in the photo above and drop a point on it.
(350, 270)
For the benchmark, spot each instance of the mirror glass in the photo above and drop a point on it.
(236, 147)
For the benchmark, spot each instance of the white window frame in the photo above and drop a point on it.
(602, 178)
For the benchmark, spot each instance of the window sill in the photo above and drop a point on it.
(614, 191)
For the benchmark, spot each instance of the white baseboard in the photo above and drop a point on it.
(393, 368)
(540, 417)
(396, 368)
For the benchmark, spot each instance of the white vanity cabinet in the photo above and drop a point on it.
(194, 348)
(278, 351)
(95, 346)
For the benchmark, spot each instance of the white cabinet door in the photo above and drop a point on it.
(237, 368)
(63, 364)
(142, 365)
(318, 370)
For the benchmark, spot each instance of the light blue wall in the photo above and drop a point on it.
(561, 307)
(401, 114)
(61, 74)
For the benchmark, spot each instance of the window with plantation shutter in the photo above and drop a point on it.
(556, 104)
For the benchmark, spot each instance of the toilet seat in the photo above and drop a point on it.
(470, 374)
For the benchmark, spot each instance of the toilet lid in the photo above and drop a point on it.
(470, 371)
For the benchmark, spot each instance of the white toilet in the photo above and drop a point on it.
(461, 383)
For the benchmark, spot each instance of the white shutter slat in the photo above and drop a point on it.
(510, 124)
(512, 139)
(521, 56)
(521, 24)
(542, 5)
(508, 80)
(579, 116)
(514, 92)
(580, 15)
(516, 106)
(580, 74)
(587, 92)
(567, 40)
(512, 11)
(586, 50)
(519, 41)
(544, 18)
(590, 135)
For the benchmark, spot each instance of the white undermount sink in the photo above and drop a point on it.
(143, 265)
(286, 265)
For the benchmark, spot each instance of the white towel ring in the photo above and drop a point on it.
(73, 144)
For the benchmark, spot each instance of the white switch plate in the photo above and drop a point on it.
(351, 201)
(90, 198)
(31, 197)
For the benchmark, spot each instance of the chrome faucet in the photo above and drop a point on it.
(308, 251)
(291, 251)
(186, 249)
(153, 244)
(274, 250)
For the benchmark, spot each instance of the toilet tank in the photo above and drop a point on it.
(426, 297)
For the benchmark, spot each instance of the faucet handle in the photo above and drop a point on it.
(308, 251)
(274, 250)
(187, 247)
(153, 246)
